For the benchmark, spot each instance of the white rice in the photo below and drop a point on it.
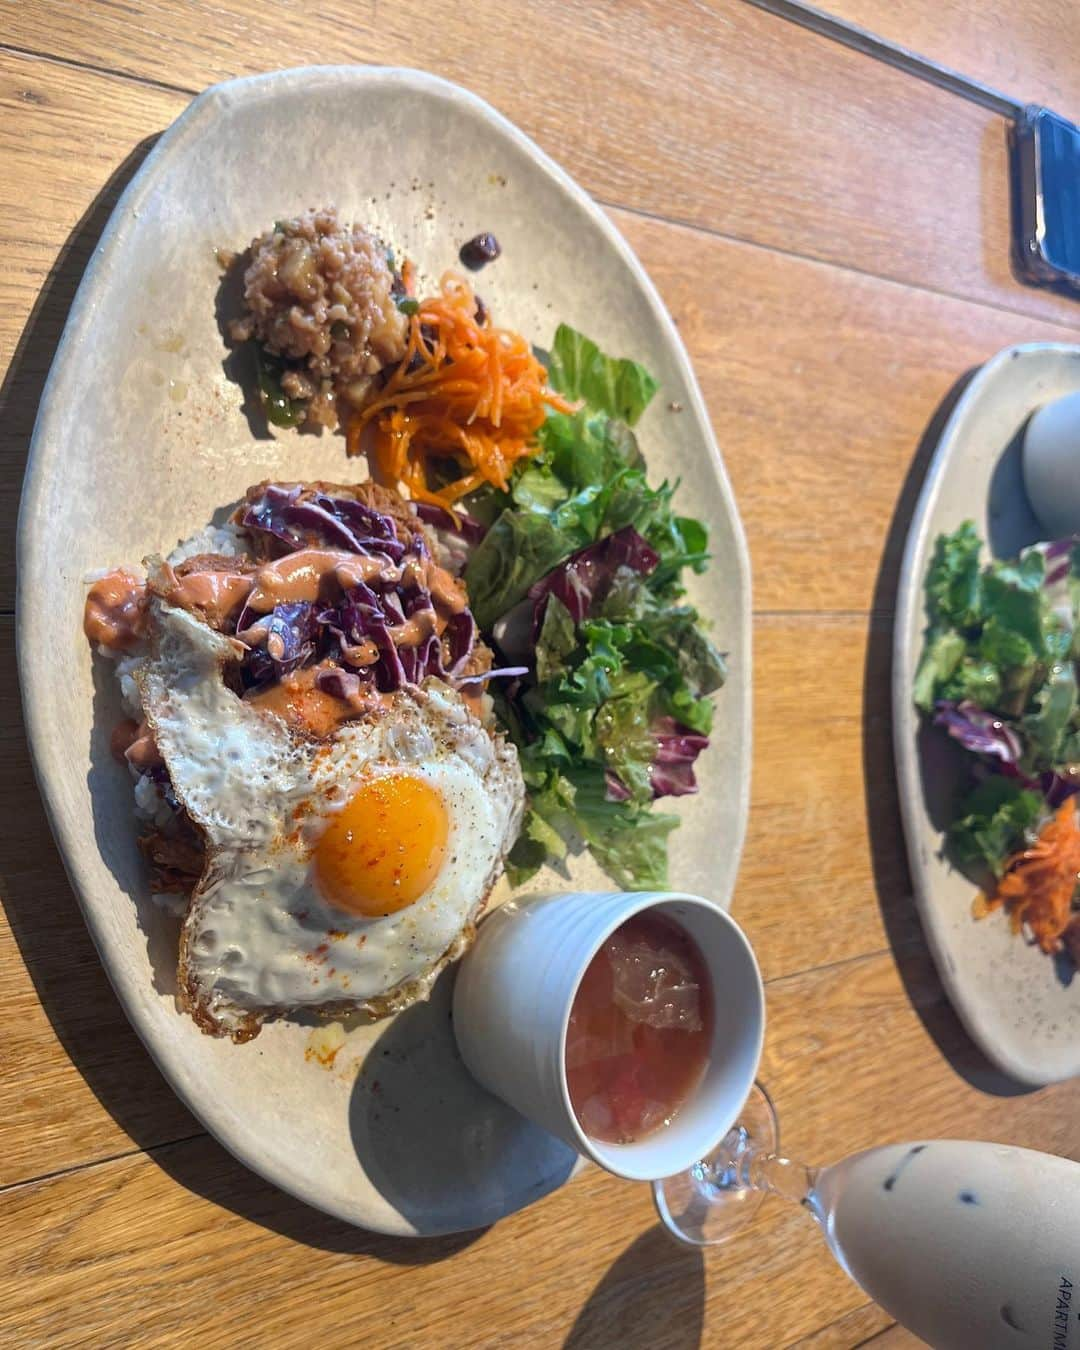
(227, 539)
(151, 806)
(171, 902)
(126, 665)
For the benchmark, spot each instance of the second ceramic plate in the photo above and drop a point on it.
(1008, 994)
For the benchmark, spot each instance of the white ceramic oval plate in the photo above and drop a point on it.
(1007, 993)
(141, 438)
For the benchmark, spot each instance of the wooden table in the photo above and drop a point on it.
(831, 238)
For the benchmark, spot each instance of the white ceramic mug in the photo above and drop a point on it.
(512, 1004)
(1051, 466)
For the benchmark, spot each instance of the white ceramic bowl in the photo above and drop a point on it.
(1052, 465)
(512, 1006)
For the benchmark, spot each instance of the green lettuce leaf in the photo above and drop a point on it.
(1012, 598)
(630, 843)
(536, 844)
(696, 713)
(940, 660)
(586, 448)
(1070, 752)
(952, 580)
(996, 819)
(582, 516)
(977, 682)
(537, 488)
(557, 639)
(550, 822)
(579, 369)
(518, 549)
(638, 655)
(1046, 727)
(569, 718)
(623, 736)
(1004, 647)
(702, 666)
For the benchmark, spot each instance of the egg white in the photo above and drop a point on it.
(259, 938)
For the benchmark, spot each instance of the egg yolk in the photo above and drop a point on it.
(384, 848)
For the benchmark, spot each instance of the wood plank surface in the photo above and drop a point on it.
(857, 1327)
(711, 113)
(156, 1250)
(187, 1232)
(1027, 51)
(894, 1338)
(831, 238)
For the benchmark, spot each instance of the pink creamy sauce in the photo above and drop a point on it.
(115, 610)
(310, 574)
(216, 595)
(116, 616)
(640, 1031)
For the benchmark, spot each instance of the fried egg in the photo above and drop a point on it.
(341, 873)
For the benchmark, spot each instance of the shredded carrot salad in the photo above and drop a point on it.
(464, 390)
(1039, 882)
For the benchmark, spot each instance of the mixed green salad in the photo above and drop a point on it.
(999, 674)
(575, 574)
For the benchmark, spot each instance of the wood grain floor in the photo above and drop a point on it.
(831, 238)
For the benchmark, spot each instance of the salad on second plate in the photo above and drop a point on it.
(999, 674)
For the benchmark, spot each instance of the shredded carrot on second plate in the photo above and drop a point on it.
(1039, 883)
(464, 390)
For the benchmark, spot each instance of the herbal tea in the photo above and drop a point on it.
(640, 1030)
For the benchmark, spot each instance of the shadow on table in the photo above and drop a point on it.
(205, 1168)
(892, 879)
(654, 1294)
(41, 910)
(21, 390)
(482, 1160)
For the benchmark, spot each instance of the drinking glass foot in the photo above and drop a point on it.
(708, 1204)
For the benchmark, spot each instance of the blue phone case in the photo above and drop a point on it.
(1046, 199)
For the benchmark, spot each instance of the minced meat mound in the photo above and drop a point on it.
(321, 296)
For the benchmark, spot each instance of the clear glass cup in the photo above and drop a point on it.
(966, 1244)
(720, 1194)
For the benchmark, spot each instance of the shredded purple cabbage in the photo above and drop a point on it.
(502, 673)
(361, 625)
(585, 578)
(460, 636)
(322, 521)
(288, 639)
(343, 684)
(1058, 557)
(1056, 788)
(982, 732)
(365, 616)
(471, 530)
(672, 772)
